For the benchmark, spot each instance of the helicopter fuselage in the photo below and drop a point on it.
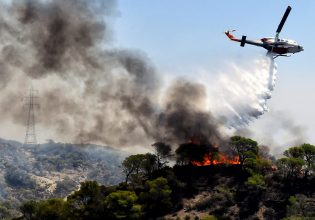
(282, 46)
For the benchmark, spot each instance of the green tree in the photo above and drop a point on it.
(156, 199)
(138, 167)
(245, 148)
(305, 152)
(296, 152)
(290, 167)
(132, 165)
(259, 165)
(300, 206)
(29, 209)
(51, 209)
(149, 165)
(86, 203)
(257, 181)
(122, 205)
(309, 157)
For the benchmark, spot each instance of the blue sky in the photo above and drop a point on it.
(191, 32)
(182, 36)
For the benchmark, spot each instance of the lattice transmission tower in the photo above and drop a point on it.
(30, 136)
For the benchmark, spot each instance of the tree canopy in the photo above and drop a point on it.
(298, 159)
(156, 198)
(245, 148)
(122, 204)
(226, 192)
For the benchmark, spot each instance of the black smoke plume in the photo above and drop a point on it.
(90, 91)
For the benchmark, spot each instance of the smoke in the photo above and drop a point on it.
(244, 91)
(90, 91)
(186, 116)
(282, 132)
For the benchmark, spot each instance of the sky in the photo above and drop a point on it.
(184, 37)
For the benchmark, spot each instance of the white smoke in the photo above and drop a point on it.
(243, 92)
(94, 93)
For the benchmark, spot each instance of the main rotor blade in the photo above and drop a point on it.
(284, 18)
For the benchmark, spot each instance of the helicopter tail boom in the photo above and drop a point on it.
(229, 35)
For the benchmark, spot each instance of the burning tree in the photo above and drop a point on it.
(192, 152)
(200, 153)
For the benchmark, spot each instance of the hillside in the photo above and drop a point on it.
(205, 184)
(53, 170)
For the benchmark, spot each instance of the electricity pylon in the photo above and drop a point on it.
(30, 136)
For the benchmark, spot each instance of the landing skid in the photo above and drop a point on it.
(280, 55)
(274, 56)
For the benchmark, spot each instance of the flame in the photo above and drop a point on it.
(213, 158)
(220, 159)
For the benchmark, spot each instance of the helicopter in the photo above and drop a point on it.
(274, 45)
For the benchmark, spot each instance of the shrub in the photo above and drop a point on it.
(256, 180)
(209, 217)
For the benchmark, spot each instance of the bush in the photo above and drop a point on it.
(300, 205)
(50, 209)
(64, 187)
(209, 217)
(19, 178)
(257, 181)
(156, 198)
(122, 205)
(217, 203)
(29, 209)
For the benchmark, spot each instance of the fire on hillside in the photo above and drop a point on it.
(216, 160)
(201, 153)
